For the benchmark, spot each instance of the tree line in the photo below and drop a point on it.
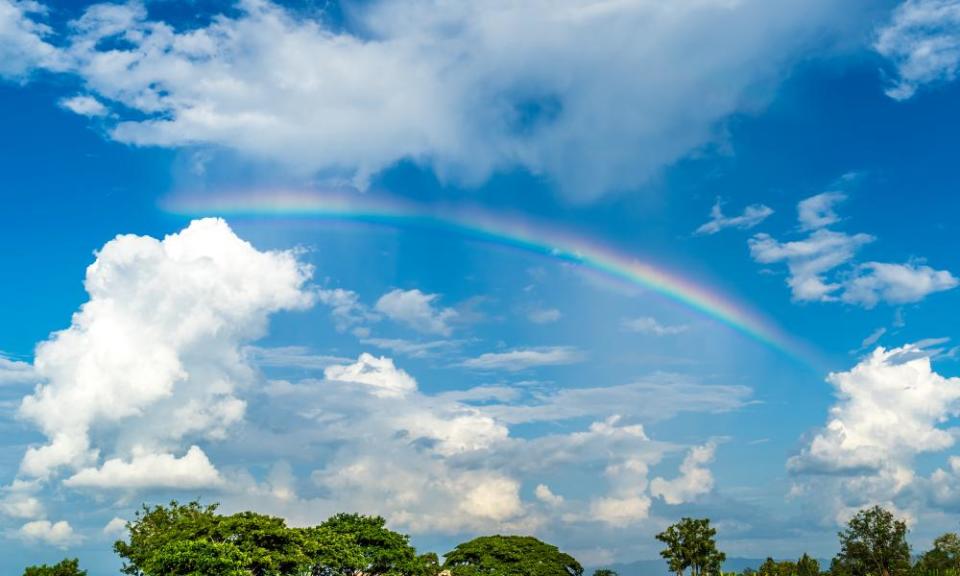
(195, 540)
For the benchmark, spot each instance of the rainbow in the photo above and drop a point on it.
(489, 227)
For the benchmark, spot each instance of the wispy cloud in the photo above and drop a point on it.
(526, 358)
(648, 325)
(751, 216)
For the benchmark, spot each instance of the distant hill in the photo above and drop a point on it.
(658, 567)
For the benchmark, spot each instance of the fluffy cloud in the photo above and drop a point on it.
(115, 528)
(890, 408)
(525, 358)
(695, 478)
(59, 534)
(345, 307)
(813, 263)
(380, 374)
(752, 215)
(85, 106)
(146, 470)
(465, 87)
(22, 44)
(417, 310)
(545, 495)
(648, 325)
(922, 41)
(155, 355)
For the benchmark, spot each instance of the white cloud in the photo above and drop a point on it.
(752, 215)
(22, 44)
(16, 371)
(895, 283)
(544, 315)
(648, 325)
(291, 357)
(59, 534)
(414, 349)
(695, 478)
(465, 87)
(417, 310)
(155, 356)
(380, 374)
(115, 528)
(147, 470)
(20, 501)
(525, 358)
(85, 105)
(545, 495)
(813, 263)
(818, 211)
(345, 307)
(889, 407)
(922, 41)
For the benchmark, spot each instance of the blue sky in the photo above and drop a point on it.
(795, 158)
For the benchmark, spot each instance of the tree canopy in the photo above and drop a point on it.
(873, 544)
(691, 543)
(510, 556)
(69, 567)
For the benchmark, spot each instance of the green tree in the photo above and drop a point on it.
(873, 544)
(382, 551)
(691, 543)
(63, 568)
(605, 572)
(197, 558)
(945, 555)
(510, 556)
(807, 566)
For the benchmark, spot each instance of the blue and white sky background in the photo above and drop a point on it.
(797, 158)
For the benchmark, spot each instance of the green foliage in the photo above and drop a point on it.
(198, 558)
(62, 568)
(943, 558)
(605, 572)
(873, 544)
(691, 543)
(510, 556)
(807, 566)
(382, 551)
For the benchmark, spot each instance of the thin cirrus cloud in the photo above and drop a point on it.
(465, 88)
(650, 325)
(922, 42)
(525, 358)
(822, 265)
(752, 215)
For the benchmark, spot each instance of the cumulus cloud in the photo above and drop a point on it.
(525, 358)
(155, 355)
(23, 46)
(59, 534)
(751, 216)
(467, 88)
(147, 470)
(379, 374)
(545, 495)
(648, 325)
(115, 528)
(345, 307)
(922, 42)
(814, 262)
(417, 310)
(695, 478)
(890, 408)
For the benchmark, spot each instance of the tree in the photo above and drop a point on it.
(605, 572)
(945, 554)
(873, 544)
(807, 566)
(382, 551)
(691, 543)
(510, 556)
(62, 568)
